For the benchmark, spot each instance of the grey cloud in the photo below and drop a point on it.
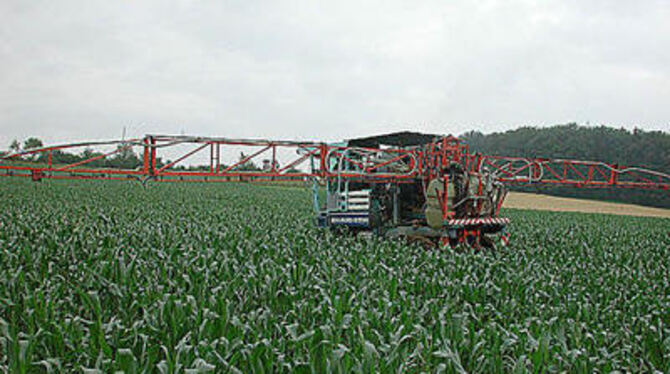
(328, 70)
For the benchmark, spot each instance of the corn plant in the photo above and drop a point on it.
(99, 277)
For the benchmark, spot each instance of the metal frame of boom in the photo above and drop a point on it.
(328, 163)
(420, 161)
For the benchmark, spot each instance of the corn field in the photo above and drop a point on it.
(98, 277)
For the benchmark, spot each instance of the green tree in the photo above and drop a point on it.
(89, 153)
(125, 158)
(15, 146)
(32, 143)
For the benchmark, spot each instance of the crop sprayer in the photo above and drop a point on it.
(422, 187)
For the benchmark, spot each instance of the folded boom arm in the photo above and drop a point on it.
(575, 173)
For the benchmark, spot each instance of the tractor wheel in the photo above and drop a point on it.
(486, 242)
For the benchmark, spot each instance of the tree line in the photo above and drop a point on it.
(648, 149)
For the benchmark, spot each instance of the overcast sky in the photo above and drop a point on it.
(328, 70)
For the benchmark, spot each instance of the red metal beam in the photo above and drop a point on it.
(185, 156)
(297, 161)
(245, 159)
(83, 162)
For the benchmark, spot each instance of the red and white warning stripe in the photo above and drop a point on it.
(504, 239)
(478, 221)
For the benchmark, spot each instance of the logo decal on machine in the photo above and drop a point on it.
(357, 220)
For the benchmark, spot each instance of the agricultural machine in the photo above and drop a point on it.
(421, 187)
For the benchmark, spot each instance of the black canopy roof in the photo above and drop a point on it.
(400, 139)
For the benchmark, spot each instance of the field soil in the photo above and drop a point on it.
(522, 200)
